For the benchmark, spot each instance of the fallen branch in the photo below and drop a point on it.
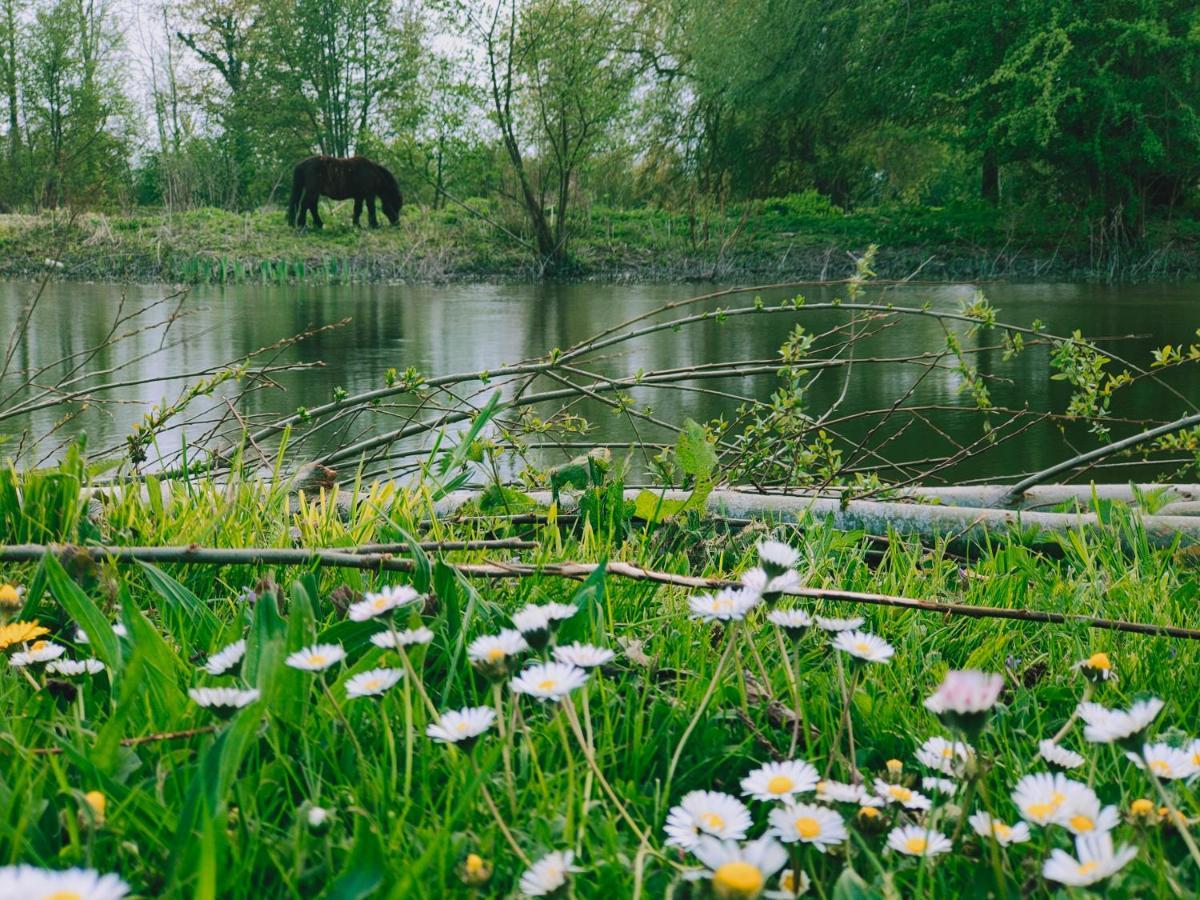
(135, 741)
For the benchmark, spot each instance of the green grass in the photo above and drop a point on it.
(788, 237)
(224, 813)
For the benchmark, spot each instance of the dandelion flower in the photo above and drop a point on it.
(71, 668)
(1059, 756)
(549, 681)
(827, 624)
(19, 633)
(727, 605)
(462, 725)
(794, 621)
(1104, 726)
(702, 813)
(776, 556)
(780, 780)
(38, 652)
(223, 700)
(914, 840)
(1097, 667)
(10, 595)
(317, 658)
(379, 602)
(898, 793)
(1165, 762)
(548, 874)
(227, 659)
(84, 884)
(372, 682)
(1042, 797)
(740, 872)
(585, 656)
(1096, 861)
(985, 826)
(941, 755)
(864, 646)
(406, 638)
(808, 824)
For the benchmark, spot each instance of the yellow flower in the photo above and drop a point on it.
(10, 595)
(19, 632)
(737, 879)
(894, 768)
(97, 802)
(475, 870)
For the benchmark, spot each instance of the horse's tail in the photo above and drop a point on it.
(297, 193)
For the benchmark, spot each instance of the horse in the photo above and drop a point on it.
(341, 179)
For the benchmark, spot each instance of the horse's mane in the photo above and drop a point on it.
(388, 178)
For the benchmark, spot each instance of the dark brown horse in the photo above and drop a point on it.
(341, 179)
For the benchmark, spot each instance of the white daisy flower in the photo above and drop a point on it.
(73, 667)
(376, 603)
(864, 646)
(780, 780)
(985, 826)
(944, 756)
(898, 793)
(461, 724)
(740, 871)
(317, 657)
(549, 680)
(939, 785)
(492, 649)
(808, 824)
(1097, 861)
(793, 621)
(706, 813)
(31, 883)
(1041, 797)
(406, 638)
(841, 792)
(533, 618)
(1059, 756)
(585, 656)
(1081, 814)
(226, 659)
(828, 624)
(965, 693)
(1164, 761)
(778, 554)
(759, 582)
(1104, 726)
(548, 874)
(727, 605)
(1193, 750)
(223, 699)
(915, 840)
(120, 630)
(38, 652)
(372, 682)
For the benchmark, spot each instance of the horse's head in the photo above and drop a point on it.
(389, 196)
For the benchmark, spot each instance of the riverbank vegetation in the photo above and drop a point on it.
(609, 140)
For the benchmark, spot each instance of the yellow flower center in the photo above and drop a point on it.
(780, 784)
(1041, 810)
(1159, 766)
(1088, 867)
(372, 684)
(947, 752)
(737, 879)
(902, 794)
(721, 604)
(9, 595)
(474, 864)
(380, 603)
(915, 845)
(1082, 823)
(787, 882)
(807, 827)
(894, 766)
(460, 727)
(548, 684)
(712, 821)
(64, 895)
(868, 812)
(1000, 830)
(1141, 807)
(495, 654)
(862, 646)
(37, 645)
(1099, 661)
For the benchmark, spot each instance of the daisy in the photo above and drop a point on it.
(85, 884)
(986, 826)
(828, 624)
(702, 813)
(223, 700)
(780, 780)
(944, 756)
(548, 874)
(729, 605)
(533, 618)
(864, 646)
(776, 557)
(840, 792)
(808, 824)
(1194, 749)
(898, 793)
(1104, 726)
(1097, 667)
(38, 652)
(383, 601)
(120, 630)
(20, 632)
(794, 621)
(372, 682)
(769, 587)
(939, 785)
(462, 725)
(1081, 814)
(964, 699)
(585, 656)
(317, 657)
(549, 680)
(1097, 861)
(72, 667)
(226, 660)
(496, 649)
(913, 840)
(1164, 761)
(788, 887)
(737, 872)
(1059, 756)
(406, 638)
(1040, 798)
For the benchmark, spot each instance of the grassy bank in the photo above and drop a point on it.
(125, 772)
(789, 238)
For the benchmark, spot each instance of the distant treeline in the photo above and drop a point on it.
(1087, 105)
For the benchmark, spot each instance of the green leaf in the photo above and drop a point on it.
(185, 615)
(364, 871)
(79, 606)
(851, 886)
(694, 452)
(654, 507)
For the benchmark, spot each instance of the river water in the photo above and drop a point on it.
(454, 328)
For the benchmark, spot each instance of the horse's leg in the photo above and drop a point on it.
(303, 211)
(357, 210)
(317, 223)
(371, 220)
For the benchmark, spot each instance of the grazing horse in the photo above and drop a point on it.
(341, 179)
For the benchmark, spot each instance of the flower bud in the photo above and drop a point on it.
(94, 815)
(319, 819)
(475, 871)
